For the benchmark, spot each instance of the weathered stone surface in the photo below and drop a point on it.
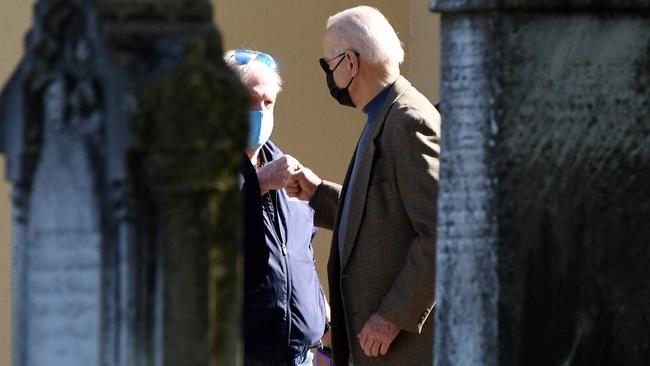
(62, 297)
(589, 5)
(467, 285)
(123, 132)
(544, 172)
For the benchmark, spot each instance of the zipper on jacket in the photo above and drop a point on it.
(289, 284)
(285, 253)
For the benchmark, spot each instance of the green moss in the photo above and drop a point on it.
(189, 134)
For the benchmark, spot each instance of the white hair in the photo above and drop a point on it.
(254, 67)
(365, 30)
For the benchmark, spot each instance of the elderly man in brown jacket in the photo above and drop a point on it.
(382, 260)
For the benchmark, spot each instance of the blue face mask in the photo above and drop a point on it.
(261, 126)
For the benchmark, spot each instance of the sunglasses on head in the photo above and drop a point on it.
(244, 57)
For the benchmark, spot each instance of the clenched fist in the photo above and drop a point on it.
(303, 184)
(277, 174)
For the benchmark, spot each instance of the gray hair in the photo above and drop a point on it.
(365, 30)
(245, 72)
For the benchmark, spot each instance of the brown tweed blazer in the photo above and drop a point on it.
(389, 261)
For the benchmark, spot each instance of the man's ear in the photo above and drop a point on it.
(354, 62)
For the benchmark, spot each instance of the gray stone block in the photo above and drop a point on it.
(545, 164)
(447, 6)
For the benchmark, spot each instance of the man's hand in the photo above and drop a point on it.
(377, 335)
(303, 184)
(326, 339)
(277, 174)
(328, 310)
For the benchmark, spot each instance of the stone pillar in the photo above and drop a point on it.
(545, 167)
(123, 132)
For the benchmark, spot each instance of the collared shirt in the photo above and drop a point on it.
(371, 110)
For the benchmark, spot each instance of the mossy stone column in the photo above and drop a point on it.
(123, 130)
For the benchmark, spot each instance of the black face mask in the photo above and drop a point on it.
(342, 95)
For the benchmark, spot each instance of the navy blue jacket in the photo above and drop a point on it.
(284, 312)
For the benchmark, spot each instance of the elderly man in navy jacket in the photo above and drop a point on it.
(284, 307)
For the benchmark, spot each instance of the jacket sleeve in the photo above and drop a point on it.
(416, 152)
(325, 204)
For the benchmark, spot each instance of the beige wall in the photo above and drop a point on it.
(310, 125)
(16, 15)
(423, 49)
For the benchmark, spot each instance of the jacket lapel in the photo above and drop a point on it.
(364, 170)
